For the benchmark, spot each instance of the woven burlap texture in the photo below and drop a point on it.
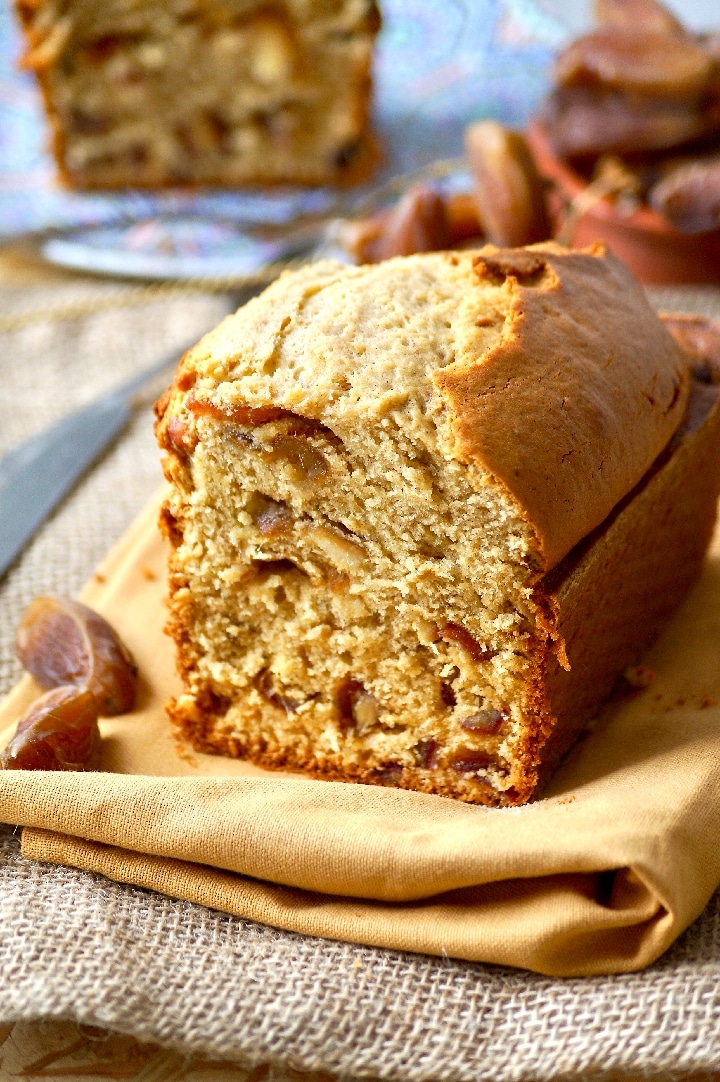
(75, 945)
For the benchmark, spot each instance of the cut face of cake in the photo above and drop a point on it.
(225, 92)
(419, 511)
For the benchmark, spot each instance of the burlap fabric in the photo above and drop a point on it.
(76, 945)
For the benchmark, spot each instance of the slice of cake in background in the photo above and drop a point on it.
(219, 92)
(424, 514)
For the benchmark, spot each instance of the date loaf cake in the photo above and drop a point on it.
(424, 513)
(188, 92)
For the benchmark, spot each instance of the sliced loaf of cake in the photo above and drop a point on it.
(424, 513)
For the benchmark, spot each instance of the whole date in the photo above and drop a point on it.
(60, 641)
(58, 732)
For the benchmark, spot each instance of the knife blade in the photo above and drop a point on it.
(36, 474)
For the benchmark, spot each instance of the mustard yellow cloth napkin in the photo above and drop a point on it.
(599, 876)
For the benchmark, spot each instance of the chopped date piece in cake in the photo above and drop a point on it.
(239, 414)
(272, 517)
(358, 709)
(468, 761)
(389, 774)
(265, 686)
(447, 693)
(484, 721)
(305, 463)
(181, 437)
(425, 753)
(455, 633)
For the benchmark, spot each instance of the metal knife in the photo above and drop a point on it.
(36, 474)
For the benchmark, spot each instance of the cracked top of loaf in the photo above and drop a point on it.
(542, 370)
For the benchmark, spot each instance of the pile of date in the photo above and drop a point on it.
(71, 651)
(638, 99)
(635, 109)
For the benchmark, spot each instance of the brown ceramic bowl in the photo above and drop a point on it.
(657, 252)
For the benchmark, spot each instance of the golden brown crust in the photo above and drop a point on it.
(613, 598)
(570, 409)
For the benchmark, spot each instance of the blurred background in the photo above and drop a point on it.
(439, 64)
